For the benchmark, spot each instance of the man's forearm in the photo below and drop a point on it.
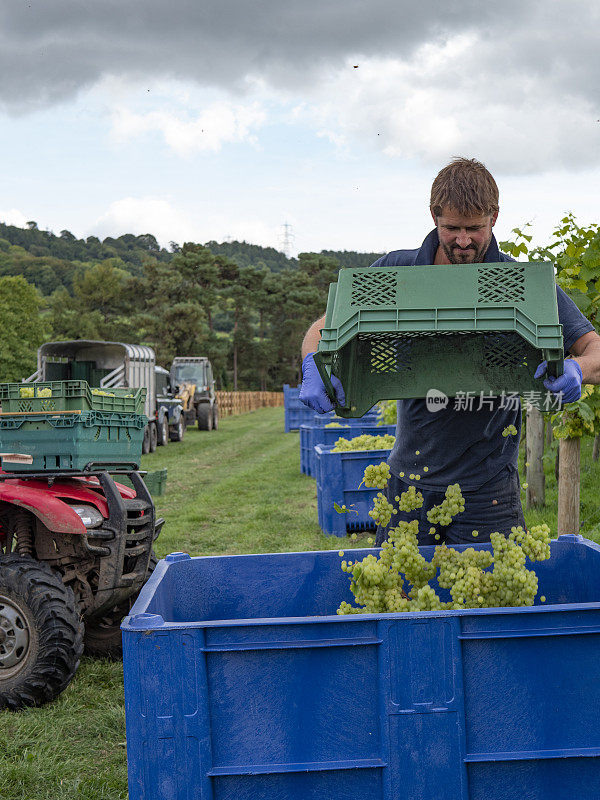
(312, 337)
(589, 361)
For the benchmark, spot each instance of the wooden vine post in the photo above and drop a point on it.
(535, 493)
(568, 486)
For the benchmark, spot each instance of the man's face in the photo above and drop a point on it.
(464, 240)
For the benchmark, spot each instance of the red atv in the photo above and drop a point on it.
(75, 549)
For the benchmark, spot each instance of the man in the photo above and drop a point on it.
(454, 445)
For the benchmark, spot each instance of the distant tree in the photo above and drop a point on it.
(351, 259)
(172, 320)
(295, 302)
(199, 270)
(322, 270)
(22, 329)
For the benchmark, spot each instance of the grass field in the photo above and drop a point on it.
(235, 490)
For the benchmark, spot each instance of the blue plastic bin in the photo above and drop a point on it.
(242, 684)
(312, 435)
(297, 414)
(338, 477)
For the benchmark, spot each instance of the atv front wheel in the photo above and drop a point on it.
(103, 634)
(41, 634)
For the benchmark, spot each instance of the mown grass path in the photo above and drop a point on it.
(235, 490)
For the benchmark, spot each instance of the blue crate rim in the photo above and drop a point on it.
(146, 594)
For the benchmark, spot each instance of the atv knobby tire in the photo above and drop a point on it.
(103, 634)
(41, 633)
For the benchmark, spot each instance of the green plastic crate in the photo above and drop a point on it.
(398, 332)
(155, 481)
(72, 441)
(69, 396)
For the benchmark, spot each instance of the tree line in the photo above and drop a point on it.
(243, 306)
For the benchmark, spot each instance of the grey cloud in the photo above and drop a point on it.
(49, 51)
(525, 96)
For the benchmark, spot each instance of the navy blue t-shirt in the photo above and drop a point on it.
(458, 446)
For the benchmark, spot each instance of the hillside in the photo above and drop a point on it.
(60, 254)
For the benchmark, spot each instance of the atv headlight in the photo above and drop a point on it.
(90, 516)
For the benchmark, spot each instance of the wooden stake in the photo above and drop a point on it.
(536, 481)
(568, 486)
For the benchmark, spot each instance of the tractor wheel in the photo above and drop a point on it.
(41, 633)
(178, 430)
(153, 437)
(205, 417)
(103, 634)
(215, 417)
(146, 441)
(163, 432)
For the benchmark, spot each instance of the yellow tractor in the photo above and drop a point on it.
(194, 385)
(185, 393)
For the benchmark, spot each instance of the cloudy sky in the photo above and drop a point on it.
(213, 119)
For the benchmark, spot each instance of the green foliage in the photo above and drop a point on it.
(350, 259)
(575, 251)
(581, 418)
(244, 255)
(132, 250)
(22, 328)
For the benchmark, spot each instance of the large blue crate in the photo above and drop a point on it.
(297, 414)
(339, 476)
(312, 435)
(241, 683)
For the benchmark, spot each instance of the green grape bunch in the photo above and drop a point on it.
(452, 505)
(399, 578)
(364, 442)
(376, 475)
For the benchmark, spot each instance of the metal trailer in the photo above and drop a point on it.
(103, 364)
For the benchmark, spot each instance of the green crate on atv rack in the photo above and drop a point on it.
(69, 396)
(156, 481)
(72, 441)
(397, 332)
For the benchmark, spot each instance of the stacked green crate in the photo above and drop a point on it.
(68, 426)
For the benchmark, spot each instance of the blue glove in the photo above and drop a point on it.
(569, 383)
(312, 391)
